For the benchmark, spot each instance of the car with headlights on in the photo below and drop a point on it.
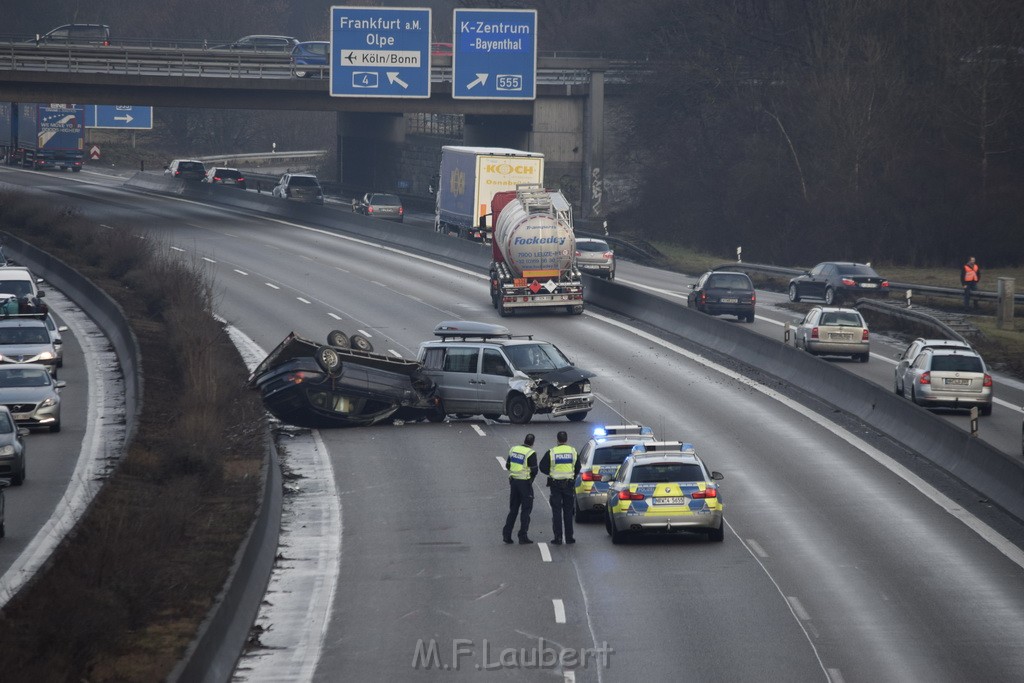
(948, 378)
(32, 395)
(661, 488)
(299, 187)
(720, 292)
(594, 256)
(380, 205)
(599, 462)
(907, 357)
(309, 59)
(831, 331)
(26, 340)
(12, 448)
(834, 282)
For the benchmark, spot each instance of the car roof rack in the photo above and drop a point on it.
(466, 329)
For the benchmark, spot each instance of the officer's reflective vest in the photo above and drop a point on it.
(970, 272)
(563, 462)
(517, 462)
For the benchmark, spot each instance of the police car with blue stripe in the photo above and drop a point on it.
(599, 461)
(664, 487)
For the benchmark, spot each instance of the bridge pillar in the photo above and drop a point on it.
(370, 150)
(497, 131)
(558, 126)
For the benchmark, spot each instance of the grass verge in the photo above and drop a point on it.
(125, 592)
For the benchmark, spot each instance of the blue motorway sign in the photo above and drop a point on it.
(380, 52)
(495, 54)
(127, 117)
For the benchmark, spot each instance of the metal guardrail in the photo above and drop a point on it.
(903, 286)
(912, 315)
(147, 60)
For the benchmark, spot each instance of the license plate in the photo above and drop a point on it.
(959, 382)
(868, 285)
(542, 298)
(670, 500)
(843, 337)
(21, 416)
(730, 301)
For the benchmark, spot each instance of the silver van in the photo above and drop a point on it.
(482, 369)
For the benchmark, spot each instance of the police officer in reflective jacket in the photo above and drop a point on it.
(562, 464)
(521, 464)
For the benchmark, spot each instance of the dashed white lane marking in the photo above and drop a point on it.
(305, 301)
(272, 286)
(476, 428)
(104, 225)
(545, 552)
(569, 676)
(308, 258)
(334, 315)
(365, 334)
(835, 676)
(379, 284)
(758, 550)
(341, 269)
(500, 461)
(208, 260)
(798, 608)
(394, 353)
(559, 610)
(177, 249)
(241, 272)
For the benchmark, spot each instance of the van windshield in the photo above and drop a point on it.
(539, 357)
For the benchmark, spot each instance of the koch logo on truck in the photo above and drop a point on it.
(507, 169)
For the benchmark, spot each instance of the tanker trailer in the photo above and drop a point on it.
(532, 252)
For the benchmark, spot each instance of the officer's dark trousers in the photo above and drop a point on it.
(563, 506)
(520, 501)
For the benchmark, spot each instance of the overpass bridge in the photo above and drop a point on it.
(565, 122)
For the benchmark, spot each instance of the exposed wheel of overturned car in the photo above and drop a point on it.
(577, 417)
(338, 339)
(519, 409)
(328, 360)
(360, 343)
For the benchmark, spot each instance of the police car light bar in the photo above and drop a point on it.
(623, 430)
(662, 447)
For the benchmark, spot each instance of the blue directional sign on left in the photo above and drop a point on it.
(380, 52)
(126, 117)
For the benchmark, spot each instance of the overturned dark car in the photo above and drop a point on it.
(342, 384)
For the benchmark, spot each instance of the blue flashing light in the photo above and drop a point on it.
(644, 431)
(639, 448)
(687, 447)
(600, 431)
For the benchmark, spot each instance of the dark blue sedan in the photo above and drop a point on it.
(313, 54)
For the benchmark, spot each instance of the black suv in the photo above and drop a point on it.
(721, 292)
(77, 34)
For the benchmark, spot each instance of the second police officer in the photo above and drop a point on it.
(561, 463)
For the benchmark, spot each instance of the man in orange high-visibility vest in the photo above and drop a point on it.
(970, 275)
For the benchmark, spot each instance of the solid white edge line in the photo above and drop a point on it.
(559, 610)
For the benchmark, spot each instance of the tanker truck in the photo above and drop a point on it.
(532, 252)
(469, 178)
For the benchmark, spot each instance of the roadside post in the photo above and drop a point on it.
(785, 332)
(739, 254)
(974, 421)
(1004, 305)
(910, 293)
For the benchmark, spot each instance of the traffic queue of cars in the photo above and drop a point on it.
(30, 353)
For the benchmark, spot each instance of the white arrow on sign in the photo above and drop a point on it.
(393, 78)
(481, 79)
(127, 118)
